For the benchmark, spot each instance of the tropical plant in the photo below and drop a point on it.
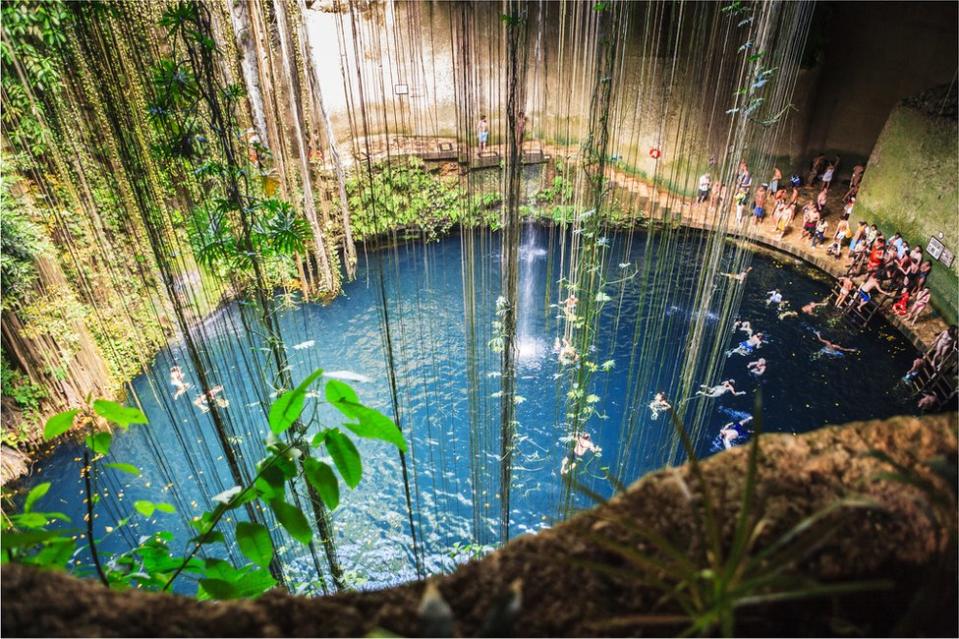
(21, 240)
(29, 537)
(706, 584)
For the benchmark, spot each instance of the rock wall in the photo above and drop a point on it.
(911, 186)
(549, 577)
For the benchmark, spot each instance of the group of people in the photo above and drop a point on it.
(875, 265)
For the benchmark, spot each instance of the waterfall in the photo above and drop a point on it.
(529, 346)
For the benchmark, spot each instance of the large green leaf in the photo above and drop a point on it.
(144, 507)
(126, 468)
(119, 414)
(35, 493)
(254, 542)
(59, 424)
(345, 456)
(291, 518)
(99, 443)
(375, 425)
(342, 396)
(322, 478)
(288, 406)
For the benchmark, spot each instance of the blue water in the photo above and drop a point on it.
(455, 486)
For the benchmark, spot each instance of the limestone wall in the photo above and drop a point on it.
(911, 185)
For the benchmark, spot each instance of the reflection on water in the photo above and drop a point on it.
(448, 401)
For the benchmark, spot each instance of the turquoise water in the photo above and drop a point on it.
(455, 486)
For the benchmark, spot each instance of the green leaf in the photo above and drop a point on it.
(99, 443)
(144, 507)
(27, 538)
(322, 478)
(345, 456)
(218, 589)
(35, 493)
(59, 424)
(255, 544)
(29, 520)
(342, 396)
(164, 507)
(291, 518)
(126, 468)
(270, 483)
(288, 406)
(119, 414)
(375, 425)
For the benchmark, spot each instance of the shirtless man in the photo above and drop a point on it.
(719, 390)
(739, 277)
(810, 308)
(866, 288)
(731, 432)
(745, 348)
(582, 446)
(659, 405)
(834, 346)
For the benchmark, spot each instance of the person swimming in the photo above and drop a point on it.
(178, 381)
(832, 349)
(775, 297)
(659, 405)
(745, 327)
(202, 401)
(727, 386)
(748, 346)
(739, 277)
(567, 353)
(583, 444)
(733, 431)
(757, 367)
(810, 308)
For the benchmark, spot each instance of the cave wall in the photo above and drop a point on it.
(911, 186)
(876, 54)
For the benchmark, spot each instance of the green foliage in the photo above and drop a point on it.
(21, 240)
(401, 195)
(151, 564)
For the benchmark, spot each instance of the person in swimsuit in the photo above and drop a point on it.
(832, 346)
(845, 289)
(739, 277)
(919, 303)
(775, 297)
(179, 383)
(758, 367)
(810, 308)
(747, 347)
(745, 327)
(865, 291)
(583, 445)
(659, 405)
(482, 131)
(567, 353)
(202, 401)
(733, 431)
(719, 389)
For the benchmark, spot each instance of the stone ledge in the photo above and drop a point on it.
(798, 476)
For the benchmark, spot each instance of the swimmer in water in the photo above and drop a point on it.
(179, 383)
(832, 348)
(810, 308)
(584, 444)
(202, 401)
(567, 353)
(739, 277)
(747, 347)
(659, 405)
(733, 431)
(775, 297)
(719, 389)
(745, 327)
(757, 367)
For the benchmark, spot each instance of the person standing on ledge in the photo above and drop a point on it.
(482, 131)
(704, 184)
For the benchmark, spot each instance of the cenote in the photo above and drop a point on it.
(448, 403)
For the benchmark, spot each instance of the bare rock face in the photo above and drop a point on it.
(544, 578)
